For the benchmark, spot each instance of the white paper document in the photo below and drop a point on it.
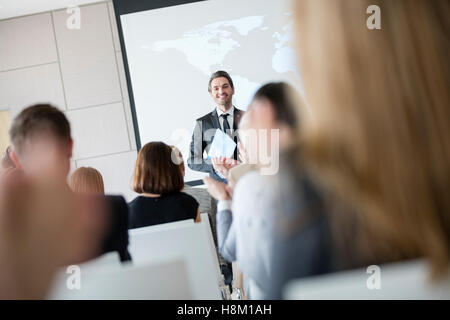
(222, 146)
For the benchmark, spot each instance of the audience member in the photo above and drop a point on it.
(42, 228)
(41, 134)
(159, 181)
(369, 184)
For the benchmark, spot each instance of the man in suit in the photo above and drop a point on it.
(224, 117)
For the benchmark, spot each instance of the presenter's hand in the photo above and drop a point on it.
(223, 165)
(217, 190)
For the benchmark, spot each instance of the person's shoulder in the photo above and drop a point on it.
(187, 198)
(206, 116)
(137, 202)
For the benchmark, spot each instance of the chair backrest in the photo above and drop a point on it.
(107, 259)
(405, 280)
(207, 226)
(160, 227)
(188, 242)
(160, 280)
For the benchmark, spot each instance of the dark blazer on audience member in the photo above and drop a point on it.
(149, 211)
(116, 238)
(202, 139)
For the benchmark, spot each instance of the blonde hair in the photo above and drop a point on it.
(378, 138)
(87, 180)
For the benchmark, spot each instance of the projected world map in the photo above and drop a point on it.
(208, 47)
(172, 52)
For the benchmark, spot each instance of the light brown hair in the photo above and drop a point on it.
(378, 139)
(177, 157)
(87, 180)
(155, 171)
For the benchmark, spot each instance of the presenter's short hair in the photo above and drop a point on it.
(220, 74)
(39, 119)
(155, 172)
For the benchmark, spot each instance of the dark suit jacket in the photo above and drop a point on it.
(204, 131)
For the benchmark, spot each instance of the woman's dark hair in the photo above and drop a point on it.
(155, 172)
(282, 97)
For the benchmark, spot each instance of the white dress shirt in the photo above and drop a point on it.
(230, 117)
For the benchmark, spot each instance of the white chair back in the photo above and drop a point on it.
(188, 242)
(162, 280)
(406, 280)
(160, 227)
(107, 259)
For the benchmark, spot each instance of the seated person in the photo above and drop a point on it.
(159, 182)
(87, 180)
(41, 137)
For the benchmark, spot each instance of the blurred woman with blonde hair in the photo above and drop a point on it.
(87, 180)
(372, 166)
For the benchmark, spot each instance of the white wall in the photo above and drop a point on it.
(81, 72)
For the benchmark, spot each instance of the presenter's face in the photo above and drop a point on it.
(222, 93)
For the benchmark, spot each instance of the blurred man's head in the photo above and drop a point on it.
(40, 135)
(221, 89)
